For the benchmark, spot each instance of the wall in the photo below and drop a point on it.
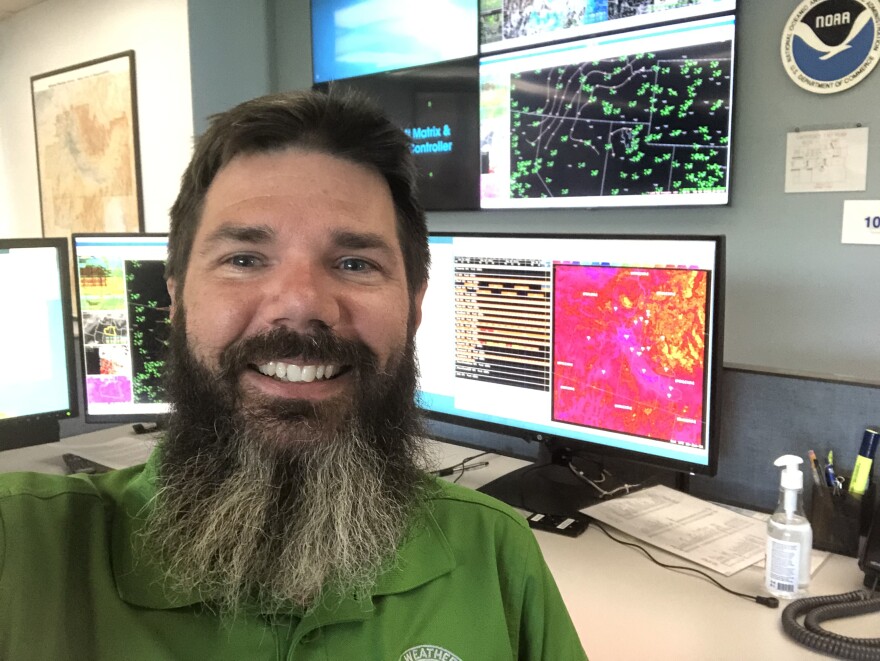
(230, 54)
(59, 33)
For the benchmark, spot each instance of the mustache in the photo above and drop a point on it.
(321, 345)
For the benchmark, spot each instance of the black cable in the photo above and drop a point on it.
(604, 475)
(770, 602)
(817, 609)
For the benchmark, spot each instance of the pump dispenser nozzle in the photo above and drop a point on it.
(792, 476)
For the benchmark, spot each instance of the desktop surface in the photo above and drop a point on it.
(623, 605)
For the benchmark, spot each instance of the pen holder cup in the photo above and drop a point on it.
(840, 520)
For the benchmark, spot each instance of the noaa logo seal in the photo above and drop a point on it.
(830, 45)
(428, 652)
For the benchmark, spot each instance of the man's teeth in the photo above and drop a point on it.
(297, 373)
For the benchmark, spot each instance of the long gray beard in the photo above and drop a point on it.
(255, 541)
(258, 511)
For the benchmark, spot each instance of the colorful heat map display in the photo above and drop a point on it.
(629, 350)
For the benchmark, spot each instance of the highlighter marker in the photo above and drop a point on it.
(864, 461)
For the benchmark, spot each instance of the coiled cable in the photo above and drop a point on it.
(818, 609)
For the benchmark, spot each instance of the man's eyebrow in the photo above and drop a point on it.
(229, 233)
(360, 240)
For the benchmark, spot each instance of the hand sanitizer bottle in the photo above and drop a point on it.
(789, 535)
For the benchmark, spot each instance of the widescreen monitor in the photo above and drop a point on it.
(634, 119)
(124, 321)
(510, 24)
(361, 37)
(37, 366)
(438, 106)
(602, 344)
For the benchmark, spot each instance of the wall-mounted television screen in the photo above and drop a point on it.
(640, 118)
(509, 24)
(361, 37)
(437, 105)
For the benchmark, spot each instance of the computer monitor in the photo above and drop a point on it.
(124, 325)
(37, 367)
(595, 345)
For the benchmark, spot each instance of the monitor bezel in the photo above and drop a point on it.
(45, 419)
(103, 418)
(585, 448)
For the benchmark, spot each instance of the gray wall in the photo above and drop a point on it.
(799, 303)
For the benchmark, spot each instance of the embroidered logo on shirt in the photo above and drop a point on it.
(428, 653)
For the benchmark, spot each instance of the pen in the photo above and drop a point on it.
(830, 477)
(814, 465)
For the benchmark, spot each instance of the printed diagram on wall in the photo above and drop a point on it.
(826, 161)
(85, 121)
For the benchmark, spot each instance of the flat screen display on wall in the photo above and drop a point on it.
(438, 106)
(631, 119)
(597, 103)
(509, 24)
(361, 37)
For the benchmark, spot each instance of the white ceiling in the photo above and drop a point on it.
(10, 7)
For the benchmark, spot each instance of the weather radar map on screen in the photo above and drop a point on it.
(656, 317)
(635, 119)
(608, 342)
(124, 323)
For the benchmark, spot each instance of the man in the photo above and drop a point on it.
(284, 513)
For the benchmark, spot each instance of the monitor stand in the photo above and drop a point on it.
(29, 432)
(548, 486)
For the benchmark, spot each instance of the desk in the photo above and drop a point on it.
(624, 606)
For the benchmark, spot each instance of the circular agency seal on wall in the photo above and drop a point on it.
(830, 45)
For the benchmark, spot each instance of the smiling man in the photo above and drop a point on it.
(284, 514)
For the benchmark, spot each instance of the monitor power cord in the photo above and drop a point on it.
(769, 602)
(623, 488)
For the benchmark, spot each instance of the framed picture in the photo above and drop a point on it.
(85, 123)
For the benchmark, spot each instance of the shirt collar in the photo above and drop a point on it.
(423, 557)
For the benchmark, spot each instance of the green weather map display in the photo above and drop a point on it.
(148, 305)
(653, 122)
(124, 320)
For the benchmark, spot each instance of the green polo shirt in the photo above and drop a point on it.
(470, 584)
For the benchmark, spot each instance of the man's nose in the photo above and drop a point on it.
(302, 296)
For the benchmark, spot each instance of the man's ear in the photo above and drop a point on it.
(171, 285)
(417, 306)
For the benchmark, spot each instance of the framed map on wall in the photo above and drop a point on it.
(85, 122)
